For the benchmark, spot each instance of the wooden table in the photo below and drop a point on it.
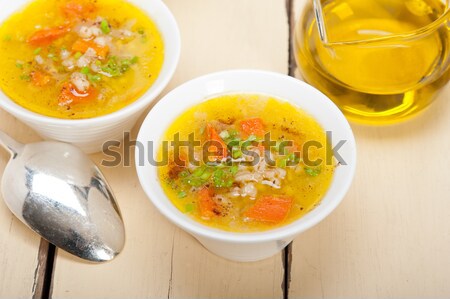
(389, 238)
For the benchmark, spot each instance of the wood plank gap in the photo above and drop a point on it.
(291, 22)
(287, 266)
(287, 252)
(169, 290)
(44, 271)
(48, 282)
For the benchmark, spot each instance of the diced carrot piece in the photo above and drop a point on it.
(208, 207)
(83, 45)
(273, 209)
(219, 148)
(71, 95)
(78, 9)
(40, 79)
(45, 37)
(253, 126)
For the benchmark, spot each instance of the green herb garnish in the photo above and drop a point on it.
(194, 182)
(94, 78)
(220, 175)
(182, 194)
(116, 67)
(223, 178)
(293, 159)
(252, 138)
(312, 171)
(25, 77)
(183, 174)
(104, 26)
(37, 51)
(282, 163)
(85, 70)
(134, 60)
(189, 208)
(52, 56)
(234, 169)
(236, 153)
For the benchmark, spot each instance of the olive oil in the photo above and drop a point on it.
(385, 60)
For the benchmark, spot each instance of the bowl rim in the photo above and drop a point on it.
(284, 232)
(167, 71)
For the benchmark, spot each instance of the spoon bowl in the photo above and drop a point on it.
(57, 191)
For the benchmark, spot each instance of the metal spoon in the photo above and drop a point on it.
(57, 191)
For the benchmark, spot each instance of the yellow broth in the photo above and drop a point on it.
(133, 62)
(304, 184)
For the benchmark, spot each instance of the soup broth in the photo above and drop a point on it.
(227, 189)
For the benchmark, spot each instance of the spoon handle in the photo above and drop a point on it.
(10, 144)
(320, 20)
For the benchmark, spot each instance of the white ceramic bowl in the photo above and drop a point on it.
(246, 246)
(90, 134)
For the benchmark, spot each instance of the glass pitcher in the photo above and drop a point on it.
(380, 61)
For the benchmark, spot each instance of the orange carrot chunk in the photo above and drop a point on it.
(83, 45)
(253, 126)
(78, 9)
(208, 207)
(45, 37)
(218, 148)
(273, 209)
(71, 95)
(40, 79)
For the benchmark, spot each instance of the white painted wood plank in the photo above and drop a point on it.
(390, 238)
(19, 246)
(160, 260)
